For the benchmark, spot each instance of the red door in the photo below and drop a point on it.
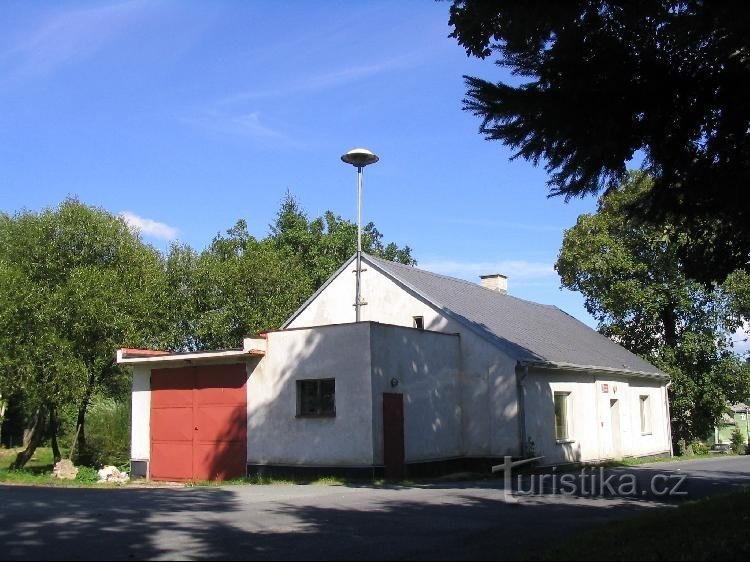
(393, 435)
(199, 423)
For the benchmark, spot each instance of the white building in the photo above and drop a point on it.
(439, 372)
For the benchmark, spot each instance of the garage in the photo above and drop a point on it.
(199, 422)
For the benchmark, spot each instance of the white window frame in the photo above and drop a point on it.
(646, 414)
(566, 401)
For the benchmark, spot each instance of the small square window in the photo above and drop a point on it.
(562, 430)
(419, 322)
(316, 398)
(645, 414)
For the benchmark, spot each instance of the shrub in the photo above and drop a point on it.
(700, 448)
(684, 449)
(738, 442)
(107, 434)
(87, 474)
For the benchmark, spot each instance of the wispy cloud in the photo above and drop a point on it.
(249, 124)
(518, 270)
(66, 36)
(325, 80)
(149, 227)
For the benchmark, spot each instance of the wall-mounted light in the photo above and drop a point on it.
(394, 382)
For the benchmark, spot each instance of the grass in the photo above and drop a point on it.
(713, 528)
(297, 481)
(271, 480)
(38, 471)
(635, 461)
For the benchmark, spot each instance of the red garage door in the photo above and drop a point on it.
(199, 423)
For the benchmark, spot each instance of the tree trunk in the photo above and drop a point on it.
(80, 440)
(53, 425)
(29, 429)
(35, 436)
(669, 322)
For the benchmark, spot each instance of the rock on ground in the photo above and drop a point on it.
(112, 474)
(65, 470)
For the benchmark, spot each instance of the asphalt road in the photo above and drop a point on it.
(467, 520)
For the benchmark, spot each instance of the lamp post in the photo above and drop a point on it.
(359, 158)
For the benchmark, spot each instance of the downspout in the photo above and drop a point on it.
(521, 393)
(669, 418)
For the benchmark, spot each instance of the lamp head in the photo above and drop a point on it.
(359, 157)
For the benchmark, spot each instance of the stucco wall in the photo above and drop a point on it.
(276, 435)
(590, 416)
(425, 366)
(488, 397)
(140, 421)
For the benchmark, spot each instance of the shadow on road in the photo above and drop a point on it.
(439, 521)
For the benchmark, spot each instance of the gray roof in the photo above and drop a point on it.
(527, 331)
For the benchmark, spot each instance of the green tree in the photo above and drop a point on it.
(75, 284)
(324, 243)
(244, 286)
(635, 286)
(739, 446)
(241, 285)
(597, 82)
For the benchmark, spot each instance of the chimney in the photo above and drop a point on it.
(495, 282)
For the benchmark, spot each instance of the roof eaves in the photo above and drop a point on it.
(657, 375)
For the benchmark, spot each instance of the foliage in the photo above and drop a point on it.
(75, 284)
(324, 243)
(636, 287)
(108, 442)
(700, 448)
(87, 474)
(739, 447)
(242, 285)
(599, 82)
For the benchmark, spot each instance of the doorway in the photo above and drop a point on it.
(393, 435)
(614, 412)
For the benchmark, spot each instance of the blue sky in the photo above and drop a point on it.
(189, 115)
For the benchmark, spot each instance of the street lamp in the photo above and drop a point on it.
(359, 158)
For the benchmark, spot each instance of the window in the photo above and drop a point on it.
(419, 322)
(316, 398)
(561, 415)
(645, 414)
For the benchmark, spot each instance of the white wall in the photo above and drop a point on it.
(140, 444)
(488, 397)
(275, 435)
(590, 417)
(426, 368)
(658, 440)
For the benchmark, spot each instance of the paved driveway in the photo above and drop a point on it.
(437, 521)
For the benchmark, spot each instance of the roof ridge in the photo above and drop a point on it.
(463, 281)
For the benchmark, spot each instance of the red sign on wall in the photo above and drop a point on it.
(605, 388)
